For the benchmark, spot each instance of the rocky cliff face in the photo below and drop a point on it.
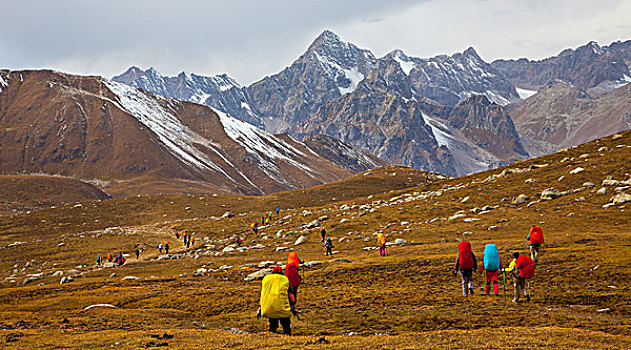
(92, 128)
(588, 66)
(562, 114)
(341, 153)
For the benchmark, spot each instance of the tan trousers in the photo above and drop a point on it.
(519, 287)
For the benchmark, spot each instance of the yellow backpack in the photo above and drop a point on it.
(274, 297)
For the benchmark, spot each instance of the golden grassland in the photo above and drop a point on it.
(581, 292)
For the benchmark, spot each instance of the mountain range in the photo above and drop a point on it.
(408, 110)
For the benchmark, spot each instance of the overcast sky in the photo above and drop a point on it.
(250, 39)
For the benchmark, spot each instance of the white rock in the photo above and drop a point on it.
(577, 170)
(66, 279)
(400, 241)
(128, 278)
(343, 220)
(621, 198)
(611, 182)
(404, 223)
(588, 184)
(280, 249)
(258, 275)
(200, 272)
(228, 249)
(521, 199)
(300, 240)
(266, 263)
(312, 263)
(225, 267)
(465, 199)
(58, 273)
(602, 191)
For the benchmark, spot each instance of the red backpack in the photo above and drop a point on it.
(465, 260)
(536, 235)
(525, 266)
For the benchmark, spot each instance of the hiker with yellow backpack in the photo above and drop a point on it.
(277, 301)
(381, 242)
(522, 269)
(535, 238)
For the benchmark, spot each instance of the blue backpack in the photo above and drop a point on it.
(491, 258)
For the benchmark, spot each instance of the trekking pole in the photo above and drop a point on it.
(504, 286)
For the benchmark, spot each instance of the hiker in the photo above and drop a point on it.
(263, 220)
(109, 257)
(239, 241)
(276, 301)
(177, 235)
(188, 241)
(323, 234)
(466, 263)
(521, 269)
(166, 247)
(120, 259)
(185, 236)
(192, 239)
(491, 263)
(160, 246)
(535, 238)
(270, 216)
(137, 253)
(277, 210)
(98, 260)
(291, 272)
(254, 227)
(381, 243)
(328, 245)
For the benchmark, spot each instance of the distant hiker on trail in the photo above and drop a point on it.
(239, 241)
(98, 260)
(166, 247)
(177, 235)
(188, 241)
(185, 237)
(263, 220)
(522, 268)
(120, 259)
(328, 245)
(535, 238)
(291, 272)
(160, 246)
(276, 301)
(109, 257)
(255, 227)
(277, 210)
(491, 263)
(137, 253)
(192, 241)
(466, 263)
(270, 216)
(323, 234)
(381, 243)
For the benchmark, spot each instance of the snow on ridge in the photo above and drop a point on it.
(524, 93)
(171, 132)
(496, 98)
(406, 66)
(261, 144)
(3, 83)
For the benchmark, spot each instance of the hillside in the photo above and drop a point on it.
(409, 299)
(139, 143)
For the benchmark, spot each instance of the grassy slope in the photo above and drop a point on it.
(410, 295)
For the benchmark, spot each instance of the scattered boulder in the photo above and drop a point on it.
(58, 273)
(113, 275)
(228, 249)
(323, 218)
(342, 260)
(343, 220)
(621, 198)
(616, 136)
(588, 184)
(66, 279)
(130, 278)
(602, 191)
(610, 182)
(280, 249)
(300, 240)
(200, 272)
(552, 193)
(400, 241)
(258, 275)
(465, 199)
(313, 224)
(33, 277)
(521, 199)
(267, 263)
(576, 171)
(603, 149)
(312, 263)
(227, 215)
(405, 223)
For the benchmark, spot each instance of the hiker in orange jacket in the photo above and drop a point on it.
(291, 272)
(381, 242)
(277, 301)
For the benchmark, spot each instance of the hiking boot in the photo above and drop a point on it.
(471, 291)
(528, 298)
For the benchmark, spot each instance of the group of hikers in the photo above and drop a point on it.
(264, 221)
(521, 268)
(118, 260)
(280, 288)
(187, 238)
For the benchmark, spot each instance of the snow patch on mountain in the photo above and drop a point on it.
(439, 130)
(354, 76)
(171, 132)
(524, 93)
(406, 66)
(261, 145)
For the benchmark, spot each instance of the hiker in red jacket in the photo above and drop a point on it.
(466, 263)
(535, 238)
(291, 272)
(521, 269)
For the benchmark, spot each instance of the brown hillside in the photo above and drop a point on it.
(408, 299)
